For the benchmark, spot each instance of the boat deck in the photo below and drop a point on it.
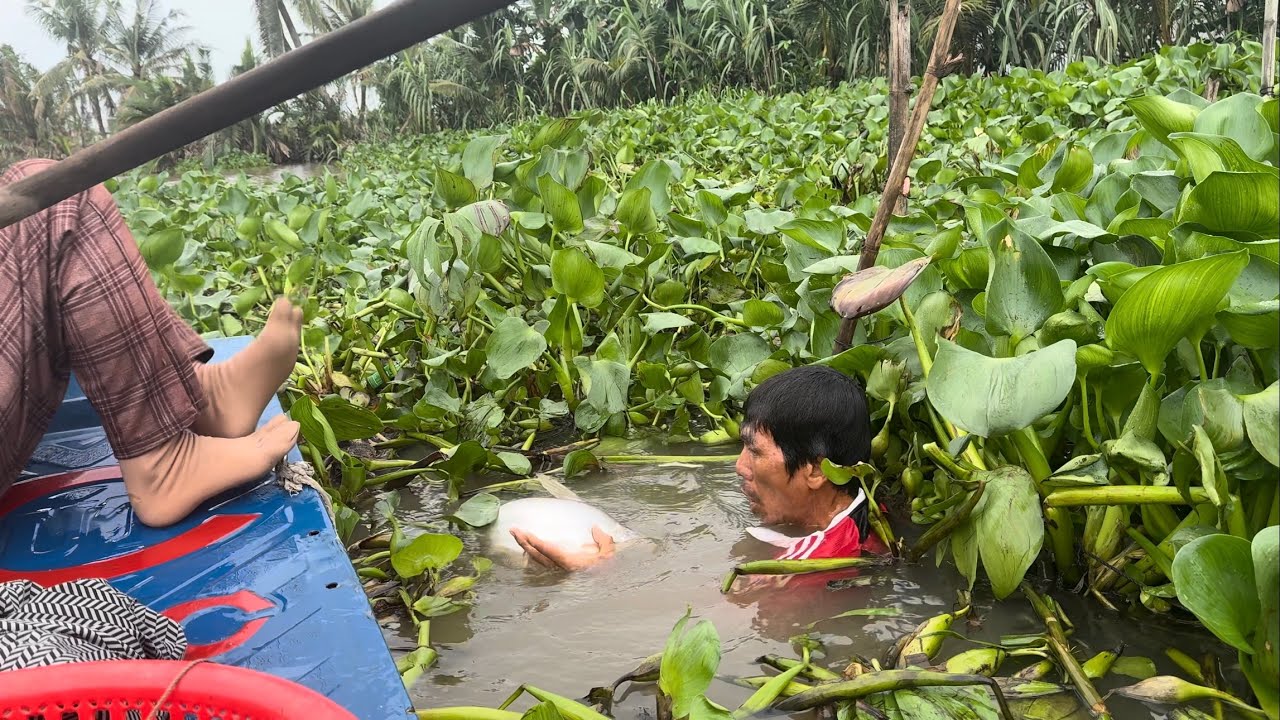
(257, 577)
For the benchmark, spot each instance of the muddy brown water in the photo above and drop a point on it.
(568, 633)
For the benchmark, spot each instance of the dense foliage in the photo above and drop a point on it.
(1085, 371)
(129, 59)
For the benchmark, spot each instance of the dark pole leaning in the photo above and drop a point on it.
(939, 63)
(400, 25)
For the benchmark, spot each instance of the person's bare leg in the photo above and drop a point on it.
(89, 305)
(168, 483)
(238, 390)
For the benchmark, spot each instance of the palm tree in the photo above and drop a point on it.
(80, 26)
(325, 16)
(273, 19)
(146, 41)
(30, 123)
(150, 95)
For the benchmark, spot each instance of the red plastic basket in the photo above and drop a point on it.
(129, 689)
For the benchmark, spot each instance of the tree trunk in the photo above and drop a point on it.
(97, 113)
(288, 23)
(899, 80)
(939, 60)
(1269, 48)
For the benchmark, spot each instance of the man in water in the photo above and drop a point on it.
(793, 420)
(75, 295)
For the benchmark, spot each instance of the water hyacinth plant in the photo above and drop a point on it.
(1069, 339)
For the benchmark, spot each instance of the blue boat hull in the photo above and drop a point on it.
(257, 577)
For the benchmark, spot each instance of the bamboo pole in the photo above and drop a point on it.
(938, 60)
(899, 80)
(1269, 47)
(367, 40)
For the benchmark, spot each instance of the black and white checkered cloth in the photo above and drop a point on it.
(79, 621)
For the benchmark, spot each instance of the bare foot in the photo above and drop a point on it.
(238, 390)
(168, 483)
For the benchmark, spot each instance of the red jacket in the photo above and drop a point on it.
(845, 536)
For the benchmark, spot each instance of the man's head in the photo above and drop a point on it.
(794, 420)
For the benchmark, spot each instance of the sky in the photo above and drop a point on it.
(222, 25)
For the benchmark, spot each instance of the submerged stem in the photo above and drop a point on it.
(1058, 644)
(887, 681)
(656, 459)
(798, 567)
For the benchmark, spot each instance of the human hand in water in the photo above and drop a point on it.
(552, 556)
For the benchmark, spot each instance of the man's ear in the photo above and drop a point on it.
(814, 478)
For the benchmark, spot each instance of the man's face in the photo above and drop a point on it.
(775, 498)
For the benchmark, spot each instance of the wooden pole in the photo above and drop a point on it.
(1269, 47)
(367, 40)
(938, 60)
(899, 80)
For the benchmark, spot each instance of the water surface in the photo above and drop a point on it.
(568, 633)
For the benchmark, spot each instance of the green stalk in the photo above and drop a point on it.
(926, 364)
(944, 527)
(797, 567)
(940, 456)
(1146, 564)
(439, 442)
(372, 307)
(562, 377)
(926, 361)
(767, 693)
(1204, 370)
(262, 275)
(1060, 426)
(636, 357)
(657, 459)
(1262, 503)
(1158, 556)
(1102, 419)
(1028, 446)
(1058, 523)
(1084, 414)
(569, 709)
(1057, 641)
(384, 479)
(1123, 495)
(751, 268)
(938, 430)
(700, 308)
(1160, 519)
(790, 689)
(376, 464)
(817, 673)
(502, 289)
(887, 681)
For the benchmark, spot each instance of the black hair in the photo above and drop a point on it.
(812, 412)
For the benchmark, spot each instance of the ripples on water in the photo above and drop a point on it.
(568, 633)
